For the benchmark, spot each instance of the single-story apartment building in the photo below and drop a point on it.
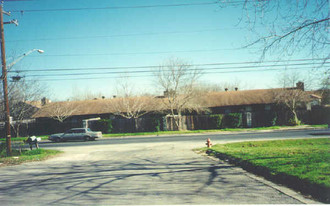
(258, 108)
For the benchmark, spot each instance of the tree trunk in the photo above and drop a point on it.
(136, 124)
(295, 116)
(17, 130)
(178, 122)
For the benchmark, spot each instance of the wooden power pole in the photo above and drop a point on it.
(4, 79)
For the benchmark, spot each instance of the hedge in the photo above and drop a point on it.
(232, 120)
(216, 121)
(103, 125)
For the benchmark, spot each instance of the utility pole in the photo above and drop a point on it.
(4, 78)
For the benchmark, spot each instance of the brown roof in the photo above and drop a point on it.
(235, 98)
(211, 99)
(87, 107)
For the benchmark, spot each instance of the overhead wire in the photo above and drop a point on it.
(123, 35)
(149, 71)
(203, 70)
(137, 53)
(153, 75)
(247, 65)
(128, 7)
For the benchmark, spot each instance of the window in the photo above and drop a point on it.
(80, 131)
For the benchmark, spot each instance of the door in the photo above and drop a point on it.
(248, 119)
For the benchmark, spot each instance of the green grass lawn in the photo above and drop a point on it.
(307, 159)
(26, 156)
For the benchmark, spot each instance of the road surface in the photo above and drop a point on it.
(143, 170)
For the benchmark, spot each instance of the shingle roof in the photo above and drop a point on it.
(212, 99)
(235, 98)
(87, 107)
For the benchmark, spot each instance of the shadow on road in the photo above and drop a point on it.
(94, 181)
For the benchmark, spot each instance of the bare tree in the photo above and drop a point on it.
(288, 26)
(60, 111)
(325, 88)
(24, 98)
(128, 103)
(178, 80)
(292, 94)
(292, 99)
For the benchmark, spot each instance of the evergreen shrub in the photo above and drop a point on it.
(155, 124)
(104, 125)
(216, 121)
(232, 120)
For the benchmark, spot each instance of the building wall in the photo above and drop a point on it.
(261, 115)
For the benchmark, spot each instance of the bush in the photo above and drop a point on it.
(216, 121)
(2, 149)
(232, 120)
(104, 125)
(155, 124)
(270, 119)
(273, 122)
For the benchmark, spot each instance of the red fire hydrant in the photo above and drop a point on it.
(208, 143)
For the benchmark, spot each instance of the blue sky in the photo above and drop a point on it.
(106, 38)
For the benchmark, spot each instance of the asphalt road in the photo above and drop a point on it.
(144, 170)
(198, 138)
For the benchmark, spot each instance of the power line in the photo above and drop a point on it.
(121, 7)
(133, 7)
(203, 70)
(149, 71)
(124, 35)
(152, 75)
(139, 53)
(192, 65)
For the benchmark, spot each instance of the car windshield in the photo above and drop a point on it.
(89, 130)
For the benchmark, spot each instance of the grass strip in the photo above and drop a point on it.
(307, 160)
(23, 156)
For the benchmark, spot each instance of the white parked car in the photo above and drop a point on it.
(84, 134)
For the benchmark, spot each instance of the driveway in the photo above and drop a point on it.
(150, 173)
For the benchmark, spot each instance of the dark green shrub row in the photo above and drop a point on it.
(220, 121)
(154, 124)
(232, 120)
(216, 121)
(103, 125)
